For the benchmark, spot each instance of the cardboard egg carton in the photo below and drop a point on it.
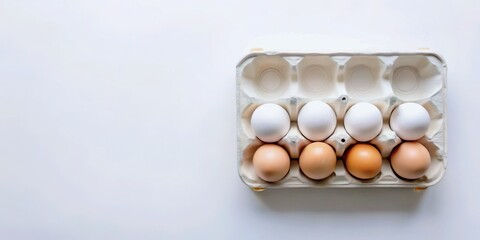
(387, 79)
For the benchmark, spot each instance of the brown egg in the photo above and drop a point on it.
(363, 161)
(410, 160)
(318, 160)
(271, 162)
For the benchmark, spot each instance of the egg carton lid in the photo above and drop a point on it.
(325, 44)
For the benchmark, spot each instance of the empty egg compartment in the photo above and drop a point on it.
(315, 75)
(363, 78)
(416, 77)
(339, 86)
(266, 77)
(274, 77)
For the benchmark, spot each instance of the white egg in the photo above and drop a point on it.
(317, 121)
(363, 121)
(270, 122)
(410, 121)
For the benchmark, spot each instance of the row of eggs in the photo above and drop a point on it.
(363, 122)
(409, 160)
(317, 121)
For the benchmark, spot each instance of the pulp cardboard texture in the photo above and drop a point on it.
(341, 79)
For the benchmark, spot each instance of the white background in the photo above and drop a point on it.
(117, 121)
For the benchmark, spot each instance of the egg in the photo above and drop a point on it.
(270, 122)
(410, 121)
(410, 160)
(317, 121)
(363, 121)
(317, 160)
(271, 162)
(363, 161)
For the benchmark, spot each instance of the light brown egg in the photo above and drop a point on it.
(271, 162)
(363, 161)
(410, 160)
(318, 160)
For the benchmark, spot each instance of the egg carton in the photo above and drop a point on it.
(385, 79)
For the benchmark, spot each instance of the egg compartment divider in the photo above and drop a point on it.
(341, 80)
